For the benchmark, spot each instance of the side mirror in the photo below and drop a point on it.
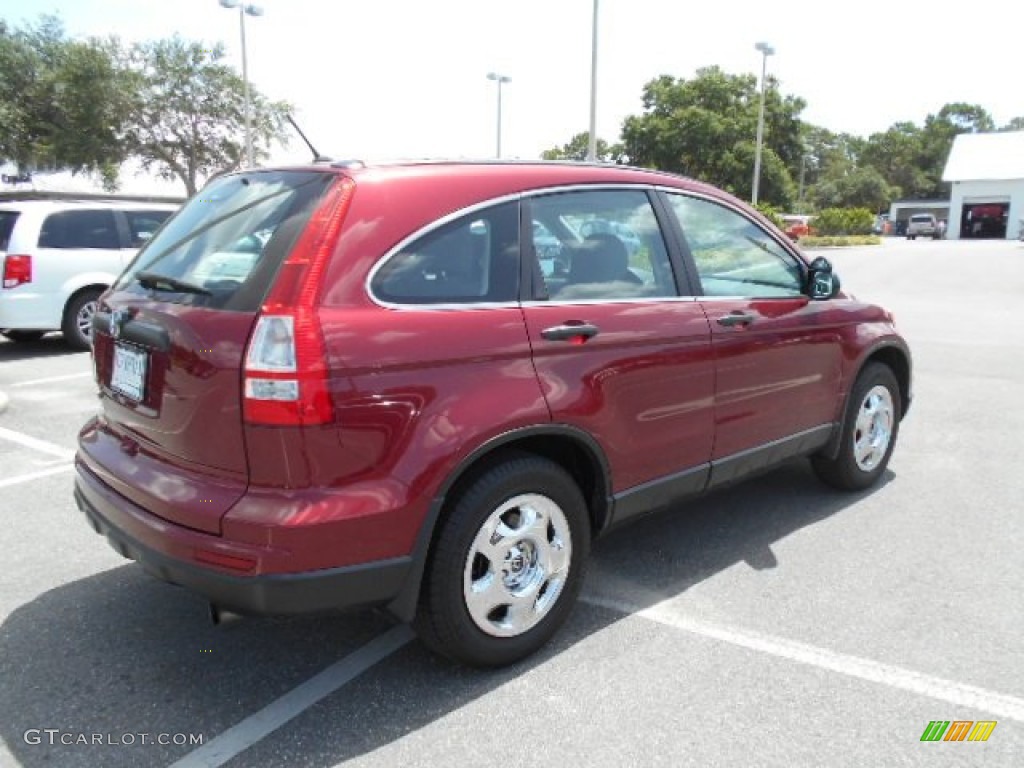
(822, 282)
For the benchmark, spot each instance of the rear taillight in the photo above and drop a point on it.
(17, 270)
(285, 380)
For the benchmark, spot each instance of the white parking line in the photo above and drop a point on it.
(35, 443)
(36, 475)
(967, 696)
(50, 379)
(238, 738)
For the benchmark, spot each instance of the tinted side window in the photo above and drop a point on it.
(80, 229)
(602, 244)
(473, 259)
(734, 256)
(7, 219)
(142, 225)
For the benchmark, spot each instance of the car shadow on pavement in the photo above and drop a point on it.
(51, 345)
(121, 653)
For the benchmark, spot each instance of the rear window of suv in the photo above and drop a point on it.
(229, 240)
(7, 219)
(922, 218)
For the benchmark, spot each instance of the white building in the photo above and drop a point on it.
(987, 174)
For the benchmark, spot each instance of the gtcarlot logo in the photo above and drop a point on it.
(55, 736)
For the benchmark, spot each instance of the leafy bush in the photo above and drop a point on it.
(844, 221)
(771, 213)
(839, 241)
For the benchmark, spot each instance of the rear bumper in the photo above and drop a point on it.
(166, 551)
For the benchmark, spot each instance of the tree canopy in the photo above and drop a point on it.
(89, 105)
(705, 127)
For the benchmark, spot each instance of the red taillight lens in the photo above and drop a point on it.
(17, 270)
(285, 381)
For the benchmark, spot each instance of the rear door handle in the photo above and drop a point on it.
(570, 331)
(736, 318)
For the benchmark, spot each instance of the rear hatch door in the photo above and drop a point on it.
(169, 343)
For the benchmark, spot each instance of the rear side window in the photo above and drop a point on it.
(7, 219)
(80, 229)
(142, 225)
(474, 259)
(229, 240)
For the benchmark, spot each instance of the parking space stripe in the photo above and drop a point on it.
(238, 738)
(35, 443)
(6, 482)
(958, 694)
(51, 379)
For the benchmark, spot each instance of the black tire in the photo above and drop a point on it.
(74, 315)
(847, 471)
(24, 337)
(444, 620)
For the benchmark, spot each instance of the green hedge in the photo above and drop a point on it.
(843, 221)
(838, 241)
(771, 213)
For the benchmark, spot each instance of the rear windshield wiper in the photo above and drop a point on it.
(156, 282)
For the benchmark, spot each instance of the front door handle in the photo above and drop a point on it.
(736, 318)
(577, 333)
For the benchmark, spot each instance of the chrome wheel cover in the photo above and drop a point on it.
(517, 565)
(872, 431)
(83, 320)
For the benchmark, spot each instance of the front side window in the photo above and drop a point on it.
(143, 224)
(80, 229)
(600, 244)
(733, 255)
(473, 259)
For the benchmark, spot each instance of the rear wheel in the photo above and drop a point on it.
(24, 336)
(77, 325)
(507, 565)
(870, 427)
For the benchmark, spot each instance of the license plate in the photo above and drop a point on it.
(129, 374)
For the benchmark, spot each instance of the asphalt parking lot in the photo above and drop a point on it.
(776, 623)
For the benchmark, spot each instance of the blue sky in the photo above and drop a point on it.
(400, 78)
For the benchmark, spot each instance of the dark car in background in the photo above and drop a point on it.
(341, 385)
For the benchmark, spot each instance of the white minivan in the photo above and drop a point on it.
(58, 256)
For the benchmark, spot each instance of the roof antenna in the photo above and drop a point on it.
(317, 157)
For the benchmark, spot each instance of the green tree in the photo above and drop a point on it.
(63, 102)
(705, 127)
(857, 188)
(1016, 124)
(577, 147)
(188, 111)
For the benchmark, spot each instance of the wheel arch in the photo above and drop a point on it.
(571, 448)
(895, 356)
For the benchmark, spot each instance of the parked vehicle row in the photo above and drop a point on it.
(59, 256)
(430, 386)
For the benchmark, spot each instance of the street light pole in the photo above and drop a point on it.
(766, 51)
(592, 136)
(243, 11)
(500, 80)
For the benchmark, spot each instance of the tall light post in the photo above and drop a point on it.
(592, 136)
(766, 51)
(500, 80)
(245, 9)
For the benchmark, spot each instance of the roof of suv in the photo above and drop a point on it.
(515, 173)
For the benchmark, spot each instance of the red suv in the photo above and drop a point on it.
(343, 384)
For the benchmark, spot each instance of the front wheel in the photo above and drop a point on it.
(870, 426)
(507, 565)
